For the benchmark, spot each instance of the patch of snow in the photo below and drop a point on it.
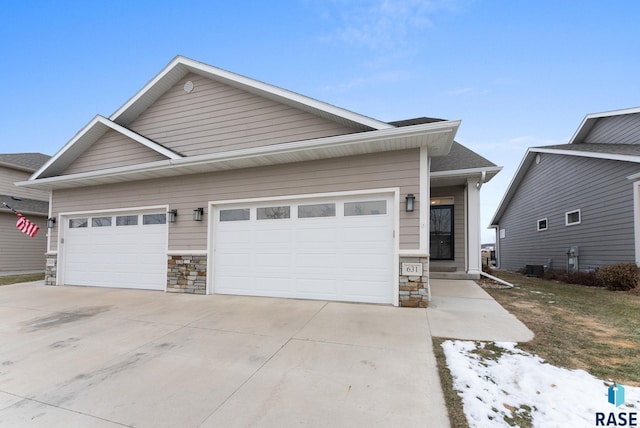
(513, 381)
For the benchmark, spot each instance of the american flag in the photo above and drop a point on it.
(26, 226)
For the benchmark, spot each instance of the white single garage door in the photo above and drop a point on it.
(127, 250)
(330, 249)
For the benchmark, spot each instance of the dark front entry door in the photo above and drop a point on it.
(441, 232)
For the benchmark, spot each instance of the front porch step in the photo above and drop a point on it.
(452, 275)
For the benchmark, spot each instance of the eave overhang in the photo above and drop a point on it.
(460, 176)
(437, 137)
(529, 158)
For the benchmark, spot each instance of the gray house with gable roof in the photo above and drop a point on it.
(210, 182)
(575, 206)
(19, 252)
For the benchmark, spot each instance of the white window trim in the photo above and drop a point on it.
(566, 218)
(546, 227)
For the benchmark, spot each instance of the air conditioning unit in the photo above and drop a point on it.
(535, 270)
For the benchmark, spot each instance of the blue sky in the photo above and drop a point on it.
(517, 73)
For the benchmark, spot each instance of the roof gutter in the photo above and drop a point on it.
(438, 137)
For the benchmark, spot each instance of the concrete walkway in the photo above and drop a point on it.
(461, 309)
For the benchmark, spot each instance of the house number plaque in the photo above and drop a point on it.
(412, 269)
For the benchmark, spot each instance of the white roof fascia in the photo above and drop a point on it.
(246, 83)
(120, 129)
(361, 140)
(587, 154)
(590, 120)
(513, 185)
(465, 172)
(140, 139)
(530, 156)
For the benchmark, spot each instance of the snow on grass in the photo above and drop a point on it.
(499, 383)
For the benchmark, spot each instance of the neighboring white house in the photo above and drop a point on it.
(575, 206)
(19, 252)
(206, 181)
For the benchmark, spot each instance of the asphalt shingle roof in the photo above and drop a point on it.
(24, 205)
(460, 157)
(32, 161)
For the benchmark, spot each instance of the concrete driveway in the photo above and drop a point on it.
(92, 357)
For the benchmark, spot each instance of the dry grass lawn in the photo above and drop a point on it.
(575, 327)
(14, 279)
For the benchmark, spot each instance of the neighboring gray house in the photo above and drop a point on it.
(575, 206)
(19, 252)
(206, 181)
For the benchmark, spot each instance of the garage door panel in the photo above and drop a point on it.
(274, 260)
(371, 261)
(107, 254)
(310, 235)
(234, 284)
(316, 288)
(276, 284)
(376, 233)
(330, 258)
(233, 237)
(315, 259)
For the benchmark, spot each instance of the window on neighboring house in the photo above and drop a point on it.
(542, 224)
(572, 217)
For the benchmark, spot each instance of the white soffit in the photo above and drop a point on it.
(180, 66)
(437, 137)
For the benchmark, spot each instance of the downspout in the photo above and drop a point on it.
(496, 279)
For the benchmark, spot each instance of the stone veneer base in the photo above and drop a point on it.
(51, 269)
(187, 274)
(414, 290)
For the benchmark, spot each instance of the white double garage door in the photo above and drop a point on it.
(337, 248)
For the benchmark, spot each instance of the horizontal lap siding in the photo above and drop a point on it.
(18, 250)
(185, 193)
(8, 178)
(623, 129)
(215, 117)
(113, 150)
(560, 184)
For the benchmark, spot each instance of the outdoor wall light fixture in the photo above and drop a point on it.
(51, 222)
(197, 214)
(409, 199)
(171, 215)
